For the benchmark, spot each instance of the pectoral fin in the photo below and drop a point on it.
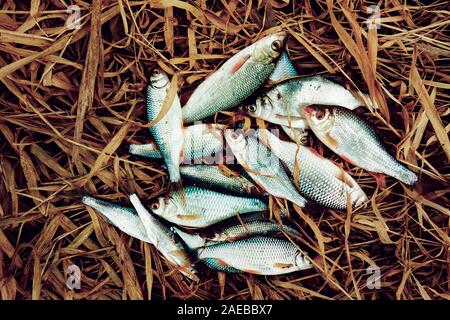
(188, 217)
(240, 63)
(282, 265)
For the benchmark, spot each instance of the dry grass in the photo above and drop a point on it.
(71, 101)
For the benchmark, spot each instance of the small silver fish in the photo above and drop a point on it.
(202, 143)
(237, 79)
(200, 207)
(124, 218)
(260, 255)
(220, 178)
(164, 239)
(355, 141)
(168, 132)
(284, 104)
(249, 224)
(318, 179)
(262, 165)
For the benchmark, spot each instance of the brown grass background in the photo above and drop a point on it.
(72, 100)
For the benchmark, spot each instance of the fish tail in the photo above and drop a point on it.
(144, 150)
(97, 204)
(102, 206)
(406, 176)
(174, 173)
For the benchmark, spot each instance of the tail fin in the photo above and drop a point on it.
(145, 150)
(406, 176)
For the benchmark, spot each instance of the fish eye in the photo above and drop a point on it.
(156, 72)
(276, 45)
(279, 96)
(234, 135)
(251, 108)
(320, 114)
(154, 206)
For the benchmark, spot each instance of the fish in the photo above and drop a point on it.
(283, 104)
(317, 178)
(237, 79)
(261, 255)
(219, 178)
(124, 218)
(355, 141)
(202, 143)
(197, 207)
(165, 240)
(232, 229)
(168, 132)
(262, 165)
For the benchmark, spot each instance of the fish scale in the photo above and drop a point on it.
(200, 207)
(352, 138)
(258, 255)
(319, 179)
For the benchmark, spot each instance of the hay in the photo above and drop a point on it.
(71, 99)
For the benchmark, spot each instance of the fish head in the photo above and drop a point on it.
(159, 79)
(165, 208)
(302, 261)
(357, 196)
(320, 119)
(269, 48)
(237, 141)
(255, 110)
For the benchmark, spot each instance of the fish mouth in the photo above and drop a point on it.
(357, 197)
(283, 36)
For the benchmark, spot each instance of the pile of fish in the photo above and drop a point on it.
(219, 216)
